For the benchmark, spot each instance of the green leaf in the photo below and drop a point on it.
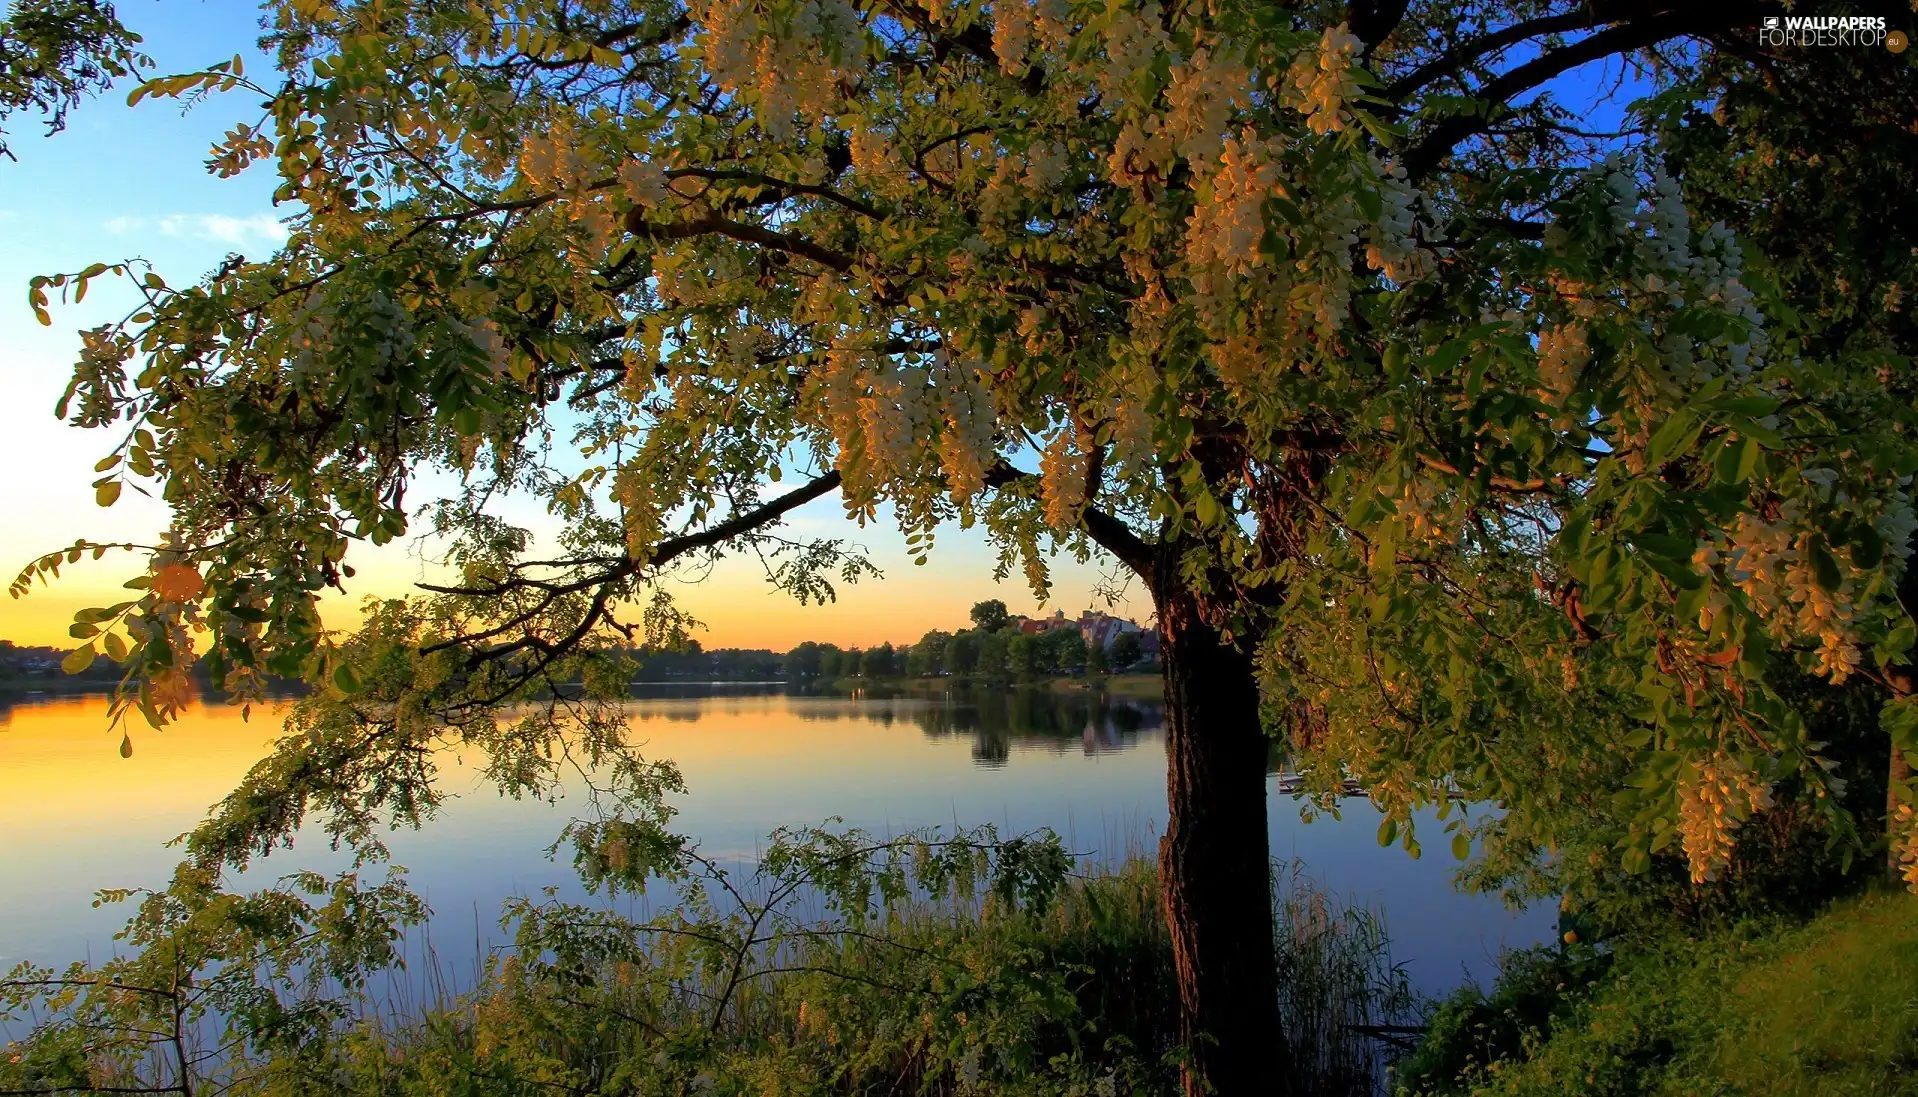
(126, 745)
(106, 493)
(1461, 846)
(1388, 831)
(345, 678)
(1824, 566)
(78, 660)
(1669, 437)
(1738, 460)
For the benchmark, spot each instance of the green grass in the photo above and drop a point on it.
(1827, 1008)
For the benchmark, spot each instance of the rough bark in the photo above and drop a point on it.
(1214, 861)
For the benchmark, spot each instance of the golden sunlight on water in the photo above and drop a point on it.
(77, 817)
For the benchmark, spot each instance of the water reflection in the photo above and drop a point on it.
(76, 817)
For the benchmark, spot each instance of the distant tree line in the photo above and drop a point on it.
(992, 648)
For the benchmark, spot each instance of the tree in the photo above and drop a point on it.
(928, 657)
(995, 655)
(803, 662)
(1125, 651)
(1066, 651)
(1026, 656)
(990, 615)
(832, 662)
(879, 662)
(1096, 663)
(54, 53)
(1398, 409)
(1766, 148)
(962, 653)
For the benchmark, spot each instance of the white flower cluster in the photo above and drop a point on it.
(1325, 261)
(1721, 796)
(1668, 242)
(1322, 80)
(798, 70)
(1132, 429)
(551, 158)
(1660, 227)
(966, 444)
(639, 510)
(644, 182)
(1011, 35)
(1046, 163)
(1135, 40)
(1562, 355)
(1202, 95)
(1391, 245)
(1771, 562)
(1062, 480)
(1224, 234)
(889, 422)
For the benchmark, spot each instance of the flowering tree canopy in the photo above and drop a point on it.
(1313, 319)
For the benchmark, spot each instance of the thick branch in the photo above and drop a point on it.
(1620, 38)
(744, 233)
(1106, 531)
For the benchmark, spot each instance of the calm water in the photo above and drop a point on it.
(75, 817)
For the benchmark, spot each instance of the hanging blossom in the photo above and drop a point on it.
(1011, 35)
(795, 71)
(1135, 40)
(1562, 355)
(1324, 265)
(1062, 480)
(1224, 234)
(1391, 245)
(1323, 80)
(1771, 562)
(1046, 164)
(1132, 430)
(639, 510)
(1202, 94)
(1722, 795)
(644, 182)
(966, 443)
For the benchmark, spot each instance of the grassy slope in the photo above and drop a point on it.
(1828, 1009)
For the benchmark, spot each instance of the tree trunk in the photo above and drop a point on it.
(1214, 862)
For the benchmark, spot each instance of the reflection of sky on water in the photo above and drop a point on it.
(76, 817)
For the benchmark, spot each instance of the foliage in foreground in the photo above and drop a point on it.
(929, 964)
(1829, 1007)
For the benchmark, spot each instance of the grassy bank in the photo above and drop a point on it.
(998, 989)
(1828, 1008)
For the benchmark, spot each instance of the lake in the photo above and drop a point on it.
(76, 817)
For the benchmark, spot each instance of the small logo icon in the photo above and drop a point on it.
(1771, 22)
(1896, 41)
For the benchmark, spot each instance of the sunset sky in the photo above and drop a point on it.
(125, 183)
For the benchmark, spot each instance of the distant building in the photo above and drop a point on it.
(1032, 626)
(1102, 629)
(1097, 628)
